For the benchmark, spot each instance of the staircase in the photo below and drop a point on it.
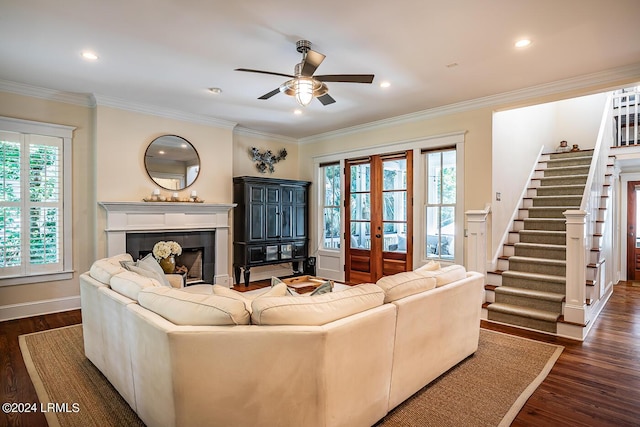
(528, 289)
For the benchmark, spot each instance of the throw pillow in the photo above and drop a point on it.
(277, 282)
(322, 289)
(149, 267)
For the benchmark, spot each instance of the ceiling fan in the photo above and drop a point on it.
(303, 85)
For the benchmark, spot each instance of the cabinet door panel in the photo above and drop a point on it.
(300, 214)
(286, 216)
(273, 221)
(299, 250)
(257, 224)
(256, 254)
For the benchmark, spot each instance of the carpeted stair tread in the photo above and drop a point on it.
(530, 313)
(559, 200)
(541, 246)
(530, 293)
(535, 276)
(538, 260)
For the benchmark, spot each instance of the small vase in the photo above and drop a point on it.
(168, 264)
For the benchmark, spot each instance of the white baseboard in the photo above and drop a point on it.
(36, 308)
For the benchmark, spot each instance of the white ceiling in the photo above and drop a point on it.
(166, 53)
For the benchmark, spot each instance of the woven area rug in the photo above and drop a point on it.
(487, 389)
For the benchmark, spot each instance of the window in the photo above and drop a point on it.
(331, 206)
(34, 189)
(441, 204)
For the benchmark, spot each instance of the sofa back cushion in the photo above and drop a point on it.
(445, 275)
(316, 310)
(104, 269)
(185, 308)
(403, 284)
(130, 284)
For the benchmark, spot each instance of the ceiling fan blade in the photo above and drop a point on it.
(264, 72)
(312, 61)
(346, 78)
(326, 99)
(270, 94)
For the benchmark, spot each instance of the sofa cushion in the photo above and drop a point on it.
(129, 284)
(446, 275)
(276, 290)
(104, 269)
(316, 310)
(403, 284)
(430, 266)
(148, 267)
(185, 308)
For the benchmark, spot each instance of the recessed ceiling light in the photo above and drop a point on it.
(297, 112)
(385, 84)
(215, 90)
(89, 55)
(523, 43)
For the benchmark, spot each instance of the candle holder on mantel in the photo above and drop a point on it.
(157, 197)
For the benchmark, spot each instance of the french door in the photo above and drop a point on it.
(633, 240)
(379, 195)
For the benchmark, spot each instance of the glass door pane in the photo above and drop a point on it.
(394, 205)
(360, 206)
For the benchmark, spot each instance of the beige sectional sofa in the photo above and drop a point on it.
(209, 356)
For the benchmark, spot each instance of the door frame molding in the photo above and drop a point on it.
(328, 257)
(622, 228)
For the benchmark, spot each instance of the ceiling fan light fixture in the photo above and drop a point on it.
(303, 89)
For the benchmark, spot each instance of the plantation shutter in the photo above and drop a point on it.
(10, 203)
(45, 203)
(30, 204)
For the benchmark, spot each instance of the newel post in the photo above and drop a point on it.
(575, 309)
(477, 240)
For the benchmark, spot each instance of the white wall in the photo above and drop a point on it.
(519, 135)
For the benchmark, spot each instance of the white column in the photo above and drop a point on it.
(477, 240)
(575, 309)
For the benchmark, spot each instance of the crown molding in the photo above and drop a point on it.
(240, 130)
(122, 104)
(83, 100)
(566, 85)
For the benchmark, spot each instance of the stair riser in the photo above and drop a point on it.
(548, 253)
(559, 191)
(574, 170)
(532, 224)
(494, 279)
(534, 285)
(557, 201)
(546, 239)
(554, 307)
(535, 267)
(539, 325)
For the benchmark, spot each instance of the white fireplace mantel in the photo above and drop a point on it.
(150, 217)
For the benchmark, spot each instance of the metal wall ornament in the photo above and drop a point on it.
(266, 160)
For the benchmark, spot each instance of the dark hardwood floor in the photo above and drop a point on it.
(593, 383)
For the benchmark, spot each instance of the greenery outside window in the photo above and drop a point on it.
(331, 206)
(34, 224)
(440, 209)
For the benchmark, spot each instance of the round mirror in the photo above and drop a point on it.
(172, 162)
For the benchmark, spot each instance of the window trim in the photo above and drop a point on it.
(64, 132)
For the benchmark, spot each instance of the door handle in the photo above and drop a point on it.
(378, 236)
